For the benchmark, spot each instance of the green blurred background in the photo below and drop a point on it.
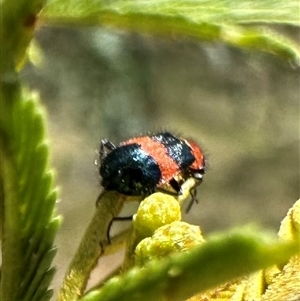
(242, 107)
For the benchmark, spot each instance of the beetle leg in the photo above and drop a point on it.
(105, 147)
(175, 185)
(193, 194)
(165, 190)
(116, 219)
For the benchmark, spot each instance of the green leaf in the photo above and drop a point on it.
(216, 11)
(223, 258)
(232, 22)
(18, 19)
(29, 221)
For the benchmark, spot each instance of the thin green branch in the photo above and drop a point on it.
(92, 246)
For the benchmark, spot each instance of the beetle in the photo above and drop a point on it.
(154, 162)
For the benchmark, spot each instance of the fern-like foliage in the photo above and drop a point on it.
(29, 223)
(27, 193)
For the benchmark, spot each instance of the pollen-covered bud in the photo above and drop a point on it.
(290, 226)
(175, 237)
(157, 210)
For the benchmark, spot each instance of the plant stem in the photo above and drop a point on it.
(92, 246)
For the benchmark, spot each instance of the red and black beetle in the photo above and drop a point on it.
(145, 164)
